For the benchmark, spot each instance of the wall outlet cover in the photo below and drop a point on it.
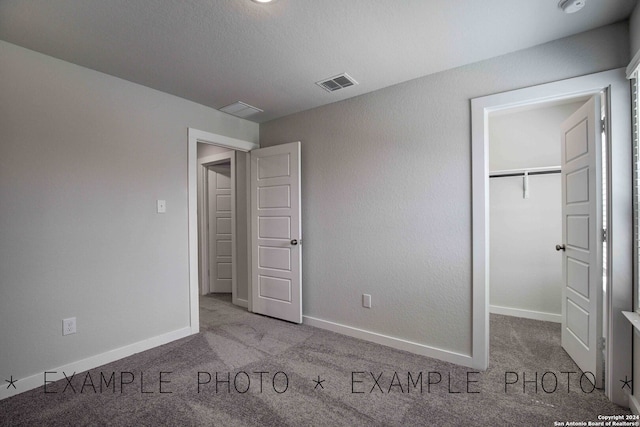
(69, 326)
(161, 206)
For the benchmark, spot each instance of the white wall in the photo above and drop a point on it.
(525, 269)
(205, 150)
(528, 138)
(83, 158)
(386, 190)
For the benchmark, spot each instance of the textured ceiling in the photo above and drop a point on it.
(216, 52)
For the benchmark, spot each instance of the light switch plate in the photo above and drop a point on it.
(162, 206)
(366, 300)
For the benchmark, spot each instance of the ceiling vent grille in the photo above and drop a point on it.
(240, 109)
(337, 82)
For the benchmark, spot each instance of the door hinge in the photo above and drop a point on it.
(603, 125)
(602, 343)
(605, 235)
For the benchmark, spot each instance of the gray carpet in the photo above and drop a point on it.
(349, 391)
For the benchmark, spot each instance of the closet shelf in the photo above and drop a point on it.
(526, 171)
(634, 318)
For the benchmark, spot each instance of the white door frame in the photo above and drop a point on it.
(203, 237)
(195, 136)
(620, 277)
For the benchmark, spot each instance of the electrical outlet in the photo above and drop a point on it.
(161, 206)
(366, 300)
(69, 326)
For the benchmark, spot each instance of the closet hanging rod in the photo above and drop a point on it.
(522, 172)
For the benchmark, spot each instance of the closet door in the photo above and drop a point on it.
(582, 242)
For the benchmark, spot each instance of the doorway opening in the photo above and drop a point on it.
(546, 177)
(525, 209)
(206, 149)
(222, 223)
(618, 284)
(273, 226)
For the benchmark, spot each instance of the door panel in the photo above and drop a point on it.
(275, 258)
(578, 276)
(275, 288)
(276, 232)
(578, 186)
(275, 166)
(578, 231)
(582, 257)
(576, 140)
(223, 225)
(274, 197)
(578, 322)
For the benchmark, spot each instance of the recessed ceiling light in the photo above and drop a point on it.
(263, 1)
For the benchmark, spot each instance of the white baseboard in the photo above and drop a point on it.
(242, 302)
(527, 314)
(37, 380)
(398, 343)
(634, 405)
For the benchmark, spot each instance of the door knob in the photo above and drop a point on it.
(294, 242)
(561, 248)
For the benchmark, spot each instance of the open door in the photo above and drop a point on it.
(276, 232)
(221, 211)
(581, 239)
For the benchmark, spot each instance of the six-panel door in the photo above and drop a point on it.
(276, 228)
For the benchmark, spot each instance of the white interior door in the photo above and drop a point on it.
(582, 242)
(276, 232)
(220, 228)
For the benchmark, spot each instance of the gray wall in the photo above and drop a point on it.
(386, 190)
(83, 158)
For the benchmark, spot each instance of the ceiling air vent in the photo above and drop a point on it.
(337, 82)
(240, 109)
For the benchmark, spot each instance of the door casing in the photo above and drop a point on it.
(619, 207)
